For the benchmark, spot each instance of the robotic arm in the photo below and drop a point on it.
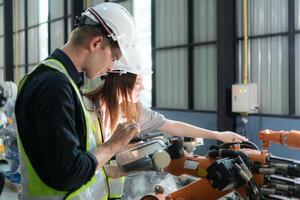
(224, 169)
(243, 168)
(288, 138)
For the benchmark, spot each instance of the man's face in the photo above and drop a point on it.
(102, 60)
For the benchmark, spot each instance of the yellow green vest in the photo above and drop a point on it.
(34, 188)
(115, 185)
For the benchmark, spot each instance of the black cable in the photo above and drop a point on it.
(229, 153)
(246, 144)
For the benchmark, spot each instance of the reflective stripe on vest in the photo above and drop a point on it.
(34, 188)
(116, 185)
(96, 128)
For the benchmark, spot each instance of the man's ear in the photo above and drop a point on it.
(95, 43)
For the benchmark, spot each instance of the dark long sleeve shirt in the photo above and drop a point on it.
(52, 127)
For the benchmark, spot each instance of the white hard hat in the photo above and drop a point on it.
(137, 68)
(120, 26)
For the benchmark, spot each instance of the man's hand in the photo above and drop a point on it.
(229, 137)
(119, 139)
(123, 135)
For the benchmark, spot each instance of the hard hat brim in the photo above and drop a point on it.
(131, 62)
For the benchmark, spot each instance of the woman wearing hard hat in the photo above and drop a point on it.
(117, 100)
(58, 153)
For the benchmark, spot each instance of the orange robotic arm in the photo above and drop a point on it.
(288, 138)
(198, 166)
(203, 187)
(250, 172)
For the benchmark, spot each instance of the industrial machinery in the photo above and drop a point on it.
(9, 156)
(241, 168)
(287, 138)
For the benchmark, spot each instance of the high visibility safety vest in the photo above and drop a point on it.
(115, 185)
(34, 188)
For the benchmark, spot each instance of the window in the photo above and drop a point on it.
(142, 16)
(268, 52)
(185, 54)
(40, 26)
(30, 35)
(205, 55)
(57, 23)
(19, 39)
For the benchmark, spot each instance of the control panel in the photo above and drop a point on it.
(245, 98)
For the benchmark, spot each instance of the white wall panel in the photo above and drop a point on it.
(31, 68)
(33, 10)
(56, 8)
(43, 41)
(170, 22)
(297, 75)
(19, 73)
(1, 20)
(69, 10)
(19, 52)
(297, 14)
(19, 14)
(1, 74)
(70, 25)
(1, 52)
(205, 80)
(127, 4)
(57, 34)
(43, 10)
(268, 67)
(205, 20)
(33, 47)
(171, 78)
(264, 16)
(95, 2)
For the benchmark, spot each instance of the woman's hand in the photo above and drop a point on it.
(229, 137)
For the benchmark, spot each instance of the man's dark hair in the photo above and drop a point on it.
(80, 34)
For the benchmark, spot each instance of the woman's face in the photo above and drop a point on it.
(138, 87)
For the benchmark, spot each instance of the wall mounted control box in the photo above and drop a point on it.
(245, 98)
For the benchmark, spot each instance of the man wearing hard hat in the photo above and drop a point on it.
(58, 154)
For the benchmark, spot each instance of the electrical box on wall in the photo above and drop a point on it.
(245, 98)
